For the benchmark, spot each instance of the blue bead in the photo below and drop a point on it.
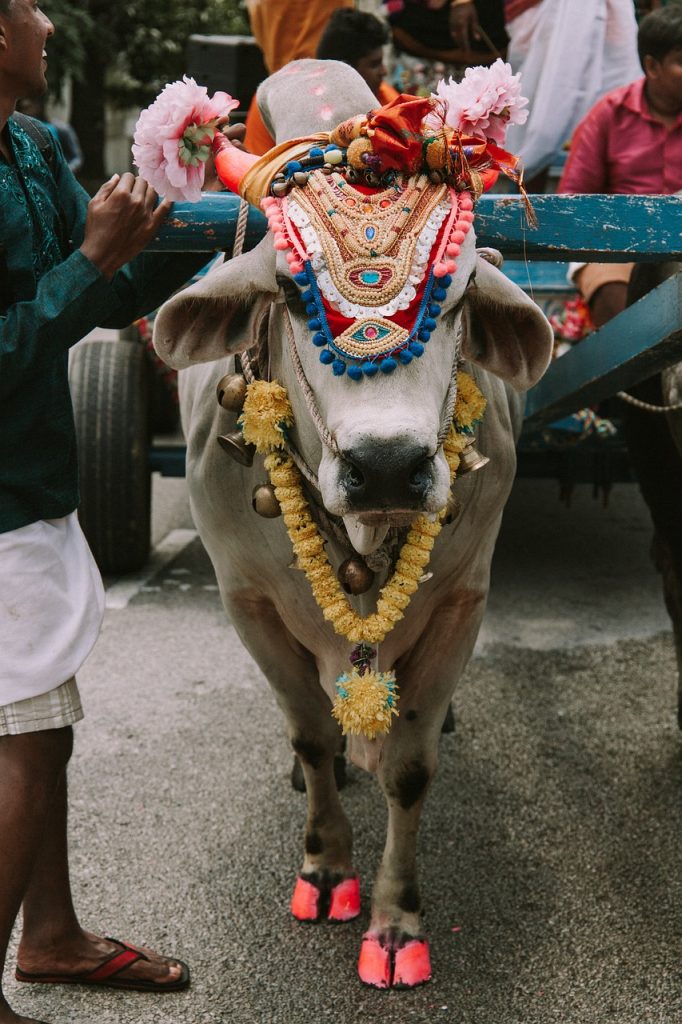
(315, 324)
(429, 324)
(439, 294)
(293, 166)
(388, 365)
(311, 308)
(301, 278)
(434, 309)
(316, 153)
(405, 356)
(307, 295)
(355, 372)
(338, 367)
(416, 349)
(326, 356)
(424, 335)
(369, 369)
(319, 339)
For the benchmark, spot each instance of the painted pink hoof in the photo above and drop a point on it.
(305, 900)
(412, 964)
(345, 900)
(374, 965)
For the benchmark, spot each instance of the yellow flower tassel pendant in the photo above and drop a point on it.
(364, 704)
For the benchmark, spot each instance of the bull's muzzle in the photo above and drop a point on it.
(387, 477)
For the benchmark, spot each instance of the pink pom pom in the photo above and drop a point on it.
(450, 266)
(458, 236)
(467, 216)
(440, 269)
(296, 268)
(465, 201)
(452, 250)
(268, 201)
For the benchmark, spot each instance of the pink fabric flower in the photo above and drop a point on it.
(173, 138)
(484, 102)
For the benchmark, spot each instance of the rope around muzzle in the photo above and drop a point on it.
(647, 406)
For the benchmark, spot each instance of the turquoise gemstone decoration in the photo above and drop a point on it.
(370, 277)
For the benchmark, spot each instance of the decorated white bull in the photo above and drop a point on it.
(380, 322)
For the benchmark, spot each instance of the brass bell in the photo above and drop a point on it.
(355, 576)
(471, 459)
(452, 510)
(231, 392)
(301, 178)
(265, 502)
(235, 445)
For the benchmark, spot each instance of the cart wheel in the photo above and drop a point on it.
(110, 399)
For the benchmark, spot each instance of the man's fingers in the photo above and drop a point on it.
(108, 187)
(160, 213)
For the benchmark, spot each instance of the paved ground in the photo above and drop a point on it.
(550, 848)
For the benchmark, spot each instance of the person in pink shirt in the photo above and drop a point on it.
(630, 143)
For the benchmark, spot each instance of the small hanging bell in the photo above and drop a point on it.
(452, 510)
(280, 189)
(231, 392)
(264, 501)
(235, 445)
(301, 178)
(470, 460)
(355, 576)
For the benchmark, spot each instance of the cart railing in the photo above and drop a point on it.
(641, 341)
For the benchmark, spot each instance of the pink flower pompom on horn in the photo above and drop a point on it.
(173, 138)
(485, 102)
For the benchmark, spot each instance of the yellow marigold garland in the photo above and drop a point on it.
(365, 702)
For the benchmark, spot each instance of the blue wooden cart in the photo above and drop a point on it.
(640, 342)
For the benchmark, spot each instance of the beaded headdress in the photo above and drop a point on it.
(372, 218)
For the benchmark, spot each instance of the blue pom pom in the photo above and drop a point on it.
(424, 335)
(301, 278)
(338, 367)
(439, 294)
(388, 365)
(310, 308)
(429, 324)
(405, 356)
(326, 356)
(307, 296)
(434, 309)
(319, 339)
(416, 349)
(293, 166)
(369, 369)
(446, 281)
(315, 324)
(316, 153)
(355, 372)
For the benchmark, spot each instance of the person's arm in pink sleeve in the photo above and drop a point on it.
(586, 169)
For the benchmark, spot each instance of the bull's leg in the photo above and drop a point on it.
(327, 886)
(394, 950)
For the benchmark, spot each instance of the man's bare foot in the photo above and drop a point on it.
(106, 962)
(8, 1016)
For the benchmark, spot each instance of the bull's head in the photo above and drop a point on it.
(375, 442)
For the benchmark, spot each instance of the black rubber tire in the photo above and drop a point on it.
(109, 390)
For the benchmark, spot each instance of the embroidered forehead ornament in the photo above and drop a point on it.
(372, 215)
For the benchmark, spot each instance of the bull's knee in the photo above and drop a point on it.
(410, 782)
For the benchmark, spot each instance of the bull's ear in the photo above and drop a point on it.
(214, 317)
(504, 330)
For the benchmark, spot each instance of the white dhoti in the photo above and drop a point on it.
(51, 606)
(569, 54)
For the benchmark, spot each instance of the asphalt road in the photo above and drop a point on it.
(550, 846)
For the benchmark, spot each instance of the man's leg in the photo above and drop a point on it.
(607, 302)
(52, 940)
(30, 768)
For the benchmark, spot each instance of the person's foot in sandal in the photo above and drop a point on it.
(103, 962)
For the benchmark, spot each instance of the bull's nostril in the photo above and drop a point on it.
(354, 477)
(420, 477)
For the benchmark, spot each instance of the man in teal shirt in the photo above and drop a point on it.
(67, 264)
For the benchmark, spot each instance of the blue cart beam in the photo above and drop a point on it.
(639, 342)
(609, 229)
